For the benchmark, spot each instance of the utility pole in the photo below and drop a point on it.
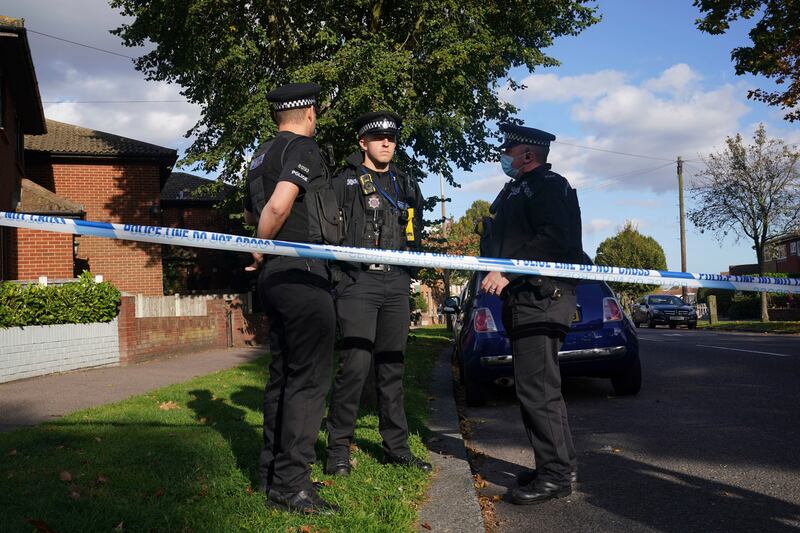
(449, 317)
(685, 291)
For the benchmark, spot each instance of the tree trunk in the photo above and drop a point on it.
(764, 312)
(759, 246)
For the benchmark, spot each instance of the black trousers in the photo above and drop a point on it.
(302, 322)
(537, 327)
(374, 318)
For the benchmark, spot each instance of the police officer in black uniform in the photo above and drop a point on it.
(382, 206)
(536, 216)
(296, 294)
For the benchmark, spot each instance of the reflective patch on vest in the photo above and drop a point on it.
(299, 175)
(374, 202)
(257, 162)
(351, 182)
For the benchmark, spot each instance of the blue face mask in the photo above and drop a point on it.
(506, 162)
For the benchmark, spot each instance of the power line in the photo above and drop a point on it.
(617, 153)
(605, 182)
(79, 44)
(116, 102)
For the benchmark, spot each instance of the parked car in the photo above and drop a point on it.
(602, 341)
(664, 309)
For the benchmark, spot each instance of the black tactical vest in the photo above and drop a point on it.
(325, 218)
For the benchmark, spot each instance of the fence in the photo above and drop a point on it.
(186, 305)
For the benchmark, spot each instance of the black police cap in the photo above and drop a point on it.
(294, 96)
(378, 122)
(522, 135)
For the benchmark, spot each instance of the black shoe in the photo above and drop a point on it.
(338, 467)
(526, 477)
(408, 460)
(303, 502)
(538, 492)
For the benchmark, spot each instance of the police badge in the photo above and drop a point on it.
(374, 202)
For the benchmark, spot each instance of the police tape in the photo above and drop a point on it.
(239, 243)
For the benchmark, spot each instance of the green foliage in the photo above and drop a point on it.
(724, 298)
(418, 303)
(744, 306)
(440, 65)
(629, 248)
(775, 50)
(80, 302)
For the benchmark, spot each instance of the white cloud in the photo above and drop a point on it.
(488, 185)
(553, 88)
(596, 225)
(663, 117)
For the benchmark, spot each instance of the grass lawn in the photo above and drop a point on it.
(753, 326)
(184, 458)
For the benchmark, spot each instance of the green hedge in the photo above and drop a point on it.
(79, 302)
(745, 306)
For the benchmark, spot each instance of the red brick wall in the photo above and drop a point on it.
(33, 253)
(143, 338)
(111, 192)
(10, 171)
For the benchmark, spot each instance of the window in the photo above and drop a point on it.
(780, 252)
(793, 248)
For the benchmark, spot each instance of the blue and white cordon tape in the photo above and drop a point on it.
(238, 243)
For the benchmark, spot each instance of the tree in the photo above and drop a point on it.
(437, 64)
(750, 190)
(629, 248)
(462, 238)
(775, 50)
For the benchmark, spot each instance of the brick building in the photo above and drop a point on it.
(188, 202)
(109, 179)
(785, 251)
(20, 114)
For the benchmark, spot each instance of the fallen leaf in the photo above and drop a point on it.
(426, 526)
(167, 406)
(101, 479)
(40, 525)
(249, 489)
(65, 476)
(74, 492)
(305, 529)
(496, 498)
(353, 448)
(60, 447)
(327, 483)
(203, 420)
(159, 493)
(400, 488)
(480, 485)
(13, 451)
(98, 439)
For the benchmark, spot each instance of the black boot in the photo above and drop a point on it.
(407, 460)
(303, 502)
(539, 492)
(526, 477)
(337, 466)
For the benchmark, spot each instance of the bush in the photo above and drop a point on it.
(724, 299)
(80, 302)
(745, 306)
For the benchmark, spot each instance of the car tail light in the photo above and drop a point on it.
(611, 310)
(484, 321)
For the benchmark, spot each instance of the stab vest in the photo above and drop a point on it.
(326, 222)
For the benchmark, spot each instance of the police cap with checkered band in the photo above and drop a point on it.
(378, 122)
(294, 96)
(521, 135)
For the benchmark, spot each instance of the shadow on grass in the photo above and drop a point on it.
(230, 422)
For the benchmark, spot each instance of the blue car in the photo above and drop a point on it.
(602, 341)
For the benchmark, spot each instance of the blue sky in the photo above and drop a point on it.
(643, 81)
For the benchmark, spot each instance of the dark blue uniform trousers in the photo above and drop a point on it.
(374, 318)
(535, 342)
(302, 324)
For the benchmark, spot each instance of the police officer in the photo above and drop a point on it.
(296, 295)
(383, 208)
(536, 216)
